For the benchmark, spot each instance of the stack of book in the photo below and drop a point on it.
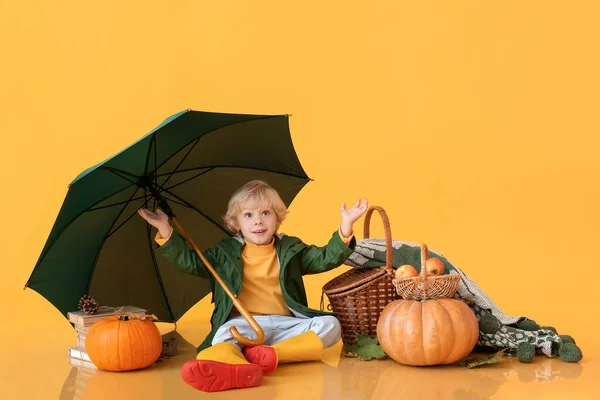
(82, 322)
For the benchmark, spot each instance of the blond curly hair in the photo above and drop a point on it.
(254, 193)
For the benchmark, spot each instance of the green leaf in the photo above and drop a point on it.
(364, 340)
(477, 361)
(366, 348)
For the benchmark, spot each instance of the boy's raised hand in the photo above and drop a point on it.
(157, 219)
(350, 216)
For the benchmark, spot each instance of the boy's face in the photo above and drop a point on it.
(257, 223)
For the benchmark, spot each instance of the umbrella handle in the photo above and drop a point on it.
(260, 335)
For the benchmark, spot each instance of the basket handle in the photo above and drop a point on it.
(424, 257)
(323, 303)
(386, 229)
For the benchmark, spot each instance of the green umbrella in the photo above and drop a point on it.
(195, 161)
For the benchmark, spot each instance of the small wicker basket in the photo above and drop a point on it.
(423, 287)
(360, 295)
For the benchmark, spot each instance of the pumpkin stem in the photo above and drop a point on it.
(123, 318)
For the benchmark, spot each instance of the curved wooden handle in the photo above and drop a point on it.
(260, 335)
(387, 230)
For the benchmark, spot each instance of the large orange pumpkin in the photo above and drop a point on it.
(118, 343)
(427, 332)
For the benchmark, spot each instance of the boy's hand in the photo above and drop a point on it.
(349, 217)
(159, 220)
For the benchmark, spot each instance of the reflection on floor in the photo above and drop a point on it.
(345, 378)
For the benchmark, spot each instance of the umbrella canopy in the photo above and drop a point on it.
(196, 160)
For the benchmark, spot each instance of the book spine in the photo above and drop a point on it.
(81, 341)
(86, 322)
(75, 362)
(82, 330)
(79, 353)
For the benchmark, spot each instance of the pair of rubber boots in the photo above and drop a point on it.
(223, 366)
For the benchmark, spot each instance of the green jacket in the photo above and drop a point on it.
(295, 259)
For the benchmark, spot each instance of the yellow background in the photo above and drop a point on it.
(474, 124)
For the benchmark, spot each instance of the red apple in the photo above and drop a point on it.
(405, 271)
(434, 266)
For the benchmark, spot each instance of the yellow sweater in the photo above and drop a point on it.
(261, 291)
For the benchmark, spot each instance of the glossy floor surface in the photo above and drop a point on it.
(45, 373)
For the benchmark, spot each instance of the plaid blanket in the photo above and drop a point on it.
(497, 330)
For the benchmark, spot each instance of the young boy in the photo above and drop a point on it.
(264, 269)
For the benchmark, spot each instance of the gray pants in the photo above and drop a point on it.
(278, 328)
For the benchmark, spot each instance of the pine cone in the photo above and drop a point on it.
(88, 304)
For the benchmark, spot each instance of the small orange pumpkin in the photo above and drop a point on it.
(429, 332)
(118, 343)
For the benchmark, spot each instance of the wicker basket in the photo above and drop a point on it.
(423, 287)
(360, 295)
